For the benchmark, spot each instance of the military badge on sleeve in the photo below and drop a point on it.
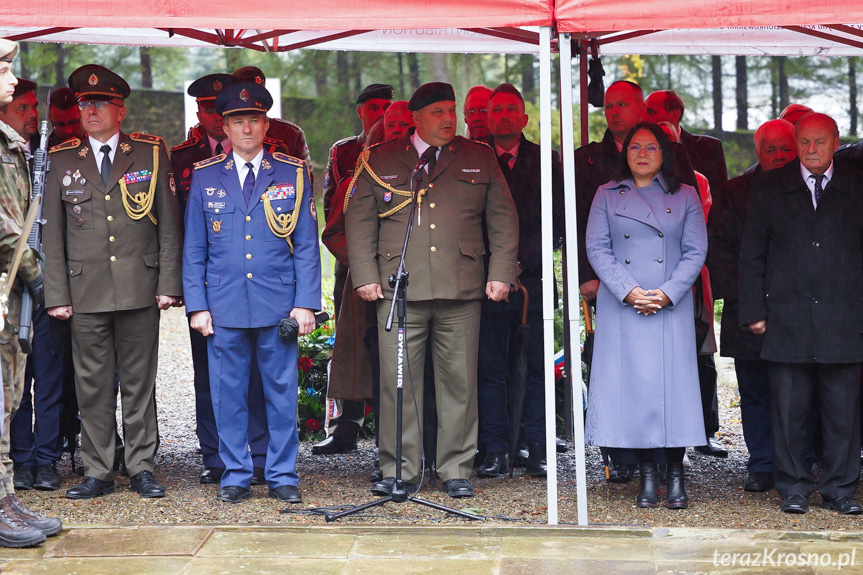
(173, 185)
(217, 226)
(313, 209)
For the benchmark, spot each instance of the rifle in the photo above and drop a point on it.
(34, 240)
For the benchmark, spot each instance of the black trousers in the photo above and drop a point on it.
(793, 387)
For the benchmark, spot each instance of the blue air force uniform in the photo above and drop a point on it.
(249, 278)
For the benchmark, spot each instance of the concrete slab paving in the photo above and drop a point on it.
(277, 544)
(110, 566)
(424, 566)
(157, 541)
(264, 566)
(426, 547)
(511, 566)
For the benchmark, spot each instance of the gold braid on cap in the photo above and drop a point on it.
(143, 201)
(363, 164)
(282, 225)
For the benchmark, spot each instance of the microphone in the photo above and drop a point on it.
(421, 165)
(289, 328)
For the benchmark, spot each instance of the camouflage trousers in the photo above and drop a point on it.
(12, 364)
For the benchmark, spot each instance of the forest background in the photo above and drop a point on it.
(726, 96)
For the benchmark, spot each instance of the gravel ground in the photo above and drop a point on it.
(715, 486)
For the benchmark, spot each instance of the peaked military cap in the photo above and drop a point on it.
(373, 91)
(8, 49)
(250, 74)
(243, 97)
(62, 99)
(206, 88)
(429, 94)
(23, 87)
(94, 82)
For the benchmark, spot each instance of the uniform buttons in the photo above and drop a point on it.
(249, 275)
(248, 218)
(113, 258)
(661, 235)
(659, 260)
(108, 197)
(816, 244)
(667, 210)
(74, 200)
(431, 205)
(627, 261)
(248, 237)
(431, 185)
(626, 236)
(110, 238)
(433, 226)
(110, 218)
(473, 181)
(434, 249)
(217, 211)
(622, 192)
(71, 272)
(248, 256)
(206, 284)
(815, 300)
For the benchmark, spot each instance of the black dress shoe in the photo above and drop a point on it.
(493, 465)
(49, 526)
(521, 457)
(458, 488)
(561, 445)
(620, 473)
(286, 493)
(536, 462)
(334, 444)
(377, 474)
(258, 476)
(843, 505)
(90, 488)
(385, 486)
(794, 504)
(25, 477)
(712, 449)
(212, 475)
(147, 485)
(758, 482)
(233, 494)
(46, 477)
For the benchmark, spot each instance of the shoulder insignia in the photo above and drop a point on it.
(69, 144)
(210, 161)
(142, 137)
(188, 143)
(373, 146)
(284, 158)
(344, 141)
(273, 142)
(283, 121)
(473, 141)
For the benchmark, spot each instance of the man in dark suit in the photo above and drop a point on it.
(448, 276)
(519, 161)
(112, 262)
(251, 259)
(775, 147)
(801, 265)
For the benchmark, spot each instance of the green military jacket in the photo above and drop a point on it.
(14, 202)
(446, 257)
(106, 249)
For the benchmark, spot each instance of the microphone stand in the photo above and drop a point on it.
(399, 283)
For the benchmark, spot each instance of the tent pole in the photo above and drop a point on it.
(568, 160)
(582, 89)
(547, 267)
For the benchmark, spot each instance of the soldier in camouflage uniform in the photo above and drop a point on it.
(19, 526)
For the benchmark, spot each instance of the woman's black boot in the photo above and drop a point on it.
(676, 497)
(649, 494)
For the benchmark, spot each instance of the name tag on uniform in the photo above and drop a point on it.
(281, 192)
(471, 170)
(389, 177)
(135, 177)
(216, 205)
(74, 192)
(7, 159)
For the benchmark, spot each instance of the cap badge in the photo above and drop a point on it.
(259, 80)
(244, 94)
(217, 86)
(93, 79)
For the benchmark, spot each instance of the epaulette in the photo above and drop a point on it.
(283, 121)
(273, 141)
(210, 161)
(474, 141)
(188, 143)
(373, 146)
(344, 141)
(149, 138)
(69, 144)
(284, 158)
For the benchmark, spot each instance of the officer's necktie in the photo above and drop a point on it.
(219, 149)
(249, 183)
(106, 164)
(430, 156)
(819, 191)
(503, 160)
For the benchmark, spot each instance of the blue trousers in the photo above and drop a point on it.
(40, 443)
(231, 354)
(205, 427)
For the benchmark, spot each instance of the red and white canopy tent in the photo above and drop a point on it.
(762, 27)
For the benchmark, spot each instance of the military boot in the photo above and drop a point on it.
(47, 525)
(14, 532)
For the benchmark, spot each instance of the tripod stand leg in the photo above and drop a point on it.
(330, 517)
(446, 509)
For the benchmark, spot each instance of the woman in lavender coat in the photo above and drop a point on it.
(646, 240)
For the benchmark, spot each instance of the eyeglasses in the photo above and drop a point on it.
(98, 104)
(650, 149)
(474, 111)
(68, 124)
